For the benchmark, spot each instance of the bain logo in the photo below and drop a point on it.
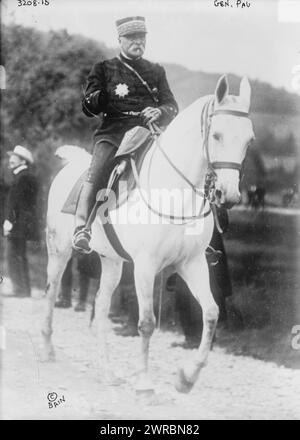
(54, 401)
(296, 339)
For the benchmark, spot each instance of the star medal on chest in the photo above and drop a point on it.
(121, 90)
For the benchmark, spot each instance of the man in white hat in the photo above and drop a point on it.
(21, 223)
(129, 91)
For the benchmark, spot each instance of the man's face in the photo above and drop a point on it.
(133, 45)
(15, 161)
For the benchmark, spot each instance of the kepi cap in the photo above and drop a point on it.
(131, 25)
(22, 152)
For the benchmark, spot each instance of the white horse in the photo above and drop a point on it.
(211, 134)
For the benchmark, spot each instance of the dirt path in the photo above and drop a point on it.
(230, 387)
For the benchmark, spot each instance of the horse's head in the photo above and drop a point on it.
(229, 136)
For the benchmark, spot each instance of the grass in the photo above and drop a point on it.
(263, 252)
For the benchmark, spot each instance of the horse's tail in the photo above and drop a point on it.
(71, 153)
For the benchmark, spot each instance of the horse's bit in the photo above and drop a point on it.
(211, 176)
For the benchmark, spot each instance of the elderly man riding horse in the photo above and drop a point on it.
(130, 91)
(199, 154)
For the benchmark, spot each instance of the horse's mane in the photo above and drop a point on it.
(182, 126)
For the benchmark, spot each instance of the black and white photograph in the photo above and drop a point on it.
(150, 212)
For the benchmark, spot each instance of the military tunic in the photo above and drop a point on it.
(117, 92)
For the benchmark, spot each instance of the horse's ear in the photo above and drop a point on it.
(222, 89)
(245, 91)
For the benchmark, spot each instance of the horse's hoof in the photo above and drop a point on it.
(182, 385)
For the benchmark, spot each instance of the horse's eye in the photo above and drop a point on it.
(216, 136)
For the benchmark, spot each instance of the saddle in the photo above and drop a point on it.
(135, 144)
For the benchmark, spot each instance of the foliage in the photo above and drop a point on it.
(42, 102)
(272, 162)
(41, 106)
(188, 85)
(284, 146)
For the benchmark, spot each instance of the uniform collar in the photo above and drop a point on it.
(128, 60)
(19, 168)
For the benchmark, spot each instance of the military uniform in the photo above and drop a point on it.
(120, 88)
(114, 90)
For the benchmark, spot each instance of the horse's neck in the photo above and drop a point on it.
(182, 142)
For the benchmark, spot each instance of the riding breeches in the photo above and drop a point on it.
(101, 163)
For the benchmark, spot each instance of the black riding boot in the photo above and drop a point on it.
(82, 236)
(97, 178)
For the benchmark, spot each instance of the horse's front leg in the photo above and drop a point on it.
(144, 274)
(196, 275)
(56, 265)
(111, 272)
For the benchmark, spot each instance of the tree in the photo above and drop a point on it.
(42, 103)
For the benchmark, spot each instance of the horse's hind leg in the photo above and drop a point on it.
(196, 275)
(111, 272)
(57, 262)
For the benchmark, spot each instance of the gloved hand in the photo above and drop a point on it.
(151, 114)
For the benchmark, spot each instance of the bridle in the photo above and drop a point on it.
(208, 112)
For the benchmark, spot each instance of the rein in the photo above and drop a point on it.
(156, 131)
(171, 218)
(211, 176)
(205, 127)
(207, 114)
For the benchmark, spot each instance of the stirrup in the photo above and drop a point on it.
(81, 241)
(213, 255)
